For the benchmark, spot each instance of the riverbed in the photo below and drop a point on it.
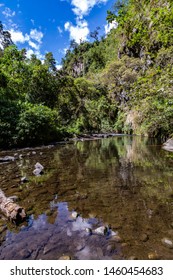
(101, 199)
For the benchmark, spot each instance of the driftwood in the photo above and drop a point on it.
(11, 210)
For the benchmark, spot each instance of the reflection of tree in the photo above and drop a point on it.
(126, 161)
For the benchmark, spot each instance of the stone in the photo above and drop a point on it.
(65, 258)
(37, 172)
(89, 230)
(103, 230)
(14, 198)
(24, 253)
(167, 242)
(132, 258)
(24, 180)
(39, 166)
(168, 145)
(38, 169)
(117, 239)
(153, 256)
(7, 158)
(74, 215)
(144, 237)
(111, 248)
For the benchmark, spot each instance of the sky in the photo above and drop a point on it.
(42, 26)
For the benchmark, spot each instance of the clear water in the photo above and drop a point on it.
(124, 182)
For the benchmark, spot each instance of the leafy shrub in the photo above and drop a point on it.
(37, 124)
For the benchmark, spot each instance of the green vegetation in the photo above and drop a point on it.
(120, 83)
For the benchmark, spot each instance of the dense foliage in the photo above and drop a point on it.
(122, 82)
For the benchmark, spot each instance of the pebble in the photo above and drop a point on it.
(111, 248)
(74, 215)
(24, 253)
(39, 166)
(103, 230)
(153, 256)
(14, 198)
(132, 258)
(144, 237)
(65, 258)
(24, 180)
(167, 242)
(116, 238)
(89, 230)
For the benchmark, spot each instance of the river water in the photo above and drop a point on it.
(124, 184)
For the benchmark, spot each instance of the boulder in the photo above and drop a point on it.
(168, 145)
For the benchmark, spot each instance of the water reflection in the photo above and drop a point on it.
(125, 182)
(67, 235)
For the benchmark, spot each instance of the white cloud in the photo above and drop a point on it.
(29, 52)
(58, 66)
(18, 37)
(79, 32)
(60, 30)
(1, 5)
(38, 54)
(82, 8)
(110, 26)
(34, 45)
(8, 13)
(32, 21)
(36, 35)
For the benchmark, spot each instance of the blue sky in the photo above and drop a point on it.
(42, 26)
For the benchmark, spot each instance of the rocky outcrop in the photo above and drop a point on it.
(168, 145)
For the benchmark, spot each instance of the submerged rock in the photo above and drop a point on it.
(144, 237)
(103, 230)
(24, 180)
(132, 258)
(168, 145)
(167, 242)
(153, 256)
(74, 215)
(38, 169)
(7, 158)
(117, 239)
(14, 198)
(65, 258)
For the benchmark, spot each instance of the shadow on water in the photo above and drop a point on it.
(124, 182)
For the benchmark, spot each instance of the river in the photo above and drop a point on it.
(101, 199)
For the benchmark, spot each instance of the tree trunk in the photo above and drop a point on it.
(11, 210)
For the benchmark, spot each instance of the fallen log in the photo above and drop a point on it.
(11, 210)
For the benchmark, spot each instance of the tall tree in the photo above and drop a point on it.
(50, 62)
